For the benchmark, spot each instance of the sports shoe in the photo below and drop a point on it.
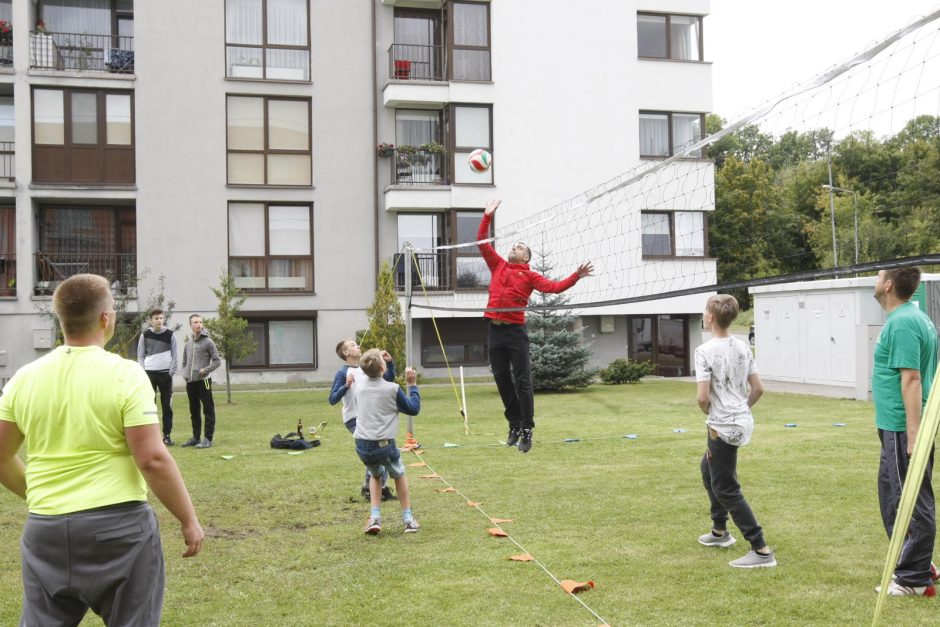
(753, 559)
(167, 441)
(709, 539)
(365, 493)
(897, 590)
(191, 442)
(412, 526)
(204, 444)
(513, 437)
(373, 526)
(387, 494)
(525, 440)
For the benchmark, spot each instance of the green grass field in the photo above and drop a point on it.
(285, 544)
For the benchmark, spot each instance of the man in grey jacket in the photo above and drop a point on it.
(200, 358)
(156, 354)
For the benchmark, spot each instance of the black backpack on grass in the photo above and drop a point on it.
(293, 441)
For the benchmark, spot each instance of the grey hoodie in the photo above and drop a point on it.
(206, 357)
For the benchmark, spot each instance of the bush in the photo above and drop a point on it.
(625, 371)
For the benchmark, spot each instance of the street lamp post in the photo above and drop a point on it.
(833, 188)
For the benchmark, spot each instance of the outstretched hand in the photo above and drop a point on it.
(491, 207)
(585, 269)
(411, 377)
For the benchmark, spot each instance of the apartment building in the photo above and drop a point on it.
(188, 139)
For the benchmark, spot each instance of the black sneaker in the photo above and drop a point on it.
(167, 441)
(513, 436)
(387, 494)
(525, 440)
(365, 492)
(191, 442)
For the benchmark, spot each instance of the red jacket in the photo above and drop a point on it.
(513, 283)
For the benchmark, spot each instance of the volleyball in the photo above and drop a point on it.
(480, 160)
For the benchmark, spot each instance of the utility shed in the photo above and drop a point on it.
(823, 332)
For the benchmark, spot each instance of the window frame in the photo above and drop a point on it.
(264, 47)
(429, 339)
(450, 125)
(266, 150)
(655, 352)
(268, 257)
(447, 233)
(669, 121)
(669, 56)
(7, 248)
(265, 318)
(672, 235)
(451, 45)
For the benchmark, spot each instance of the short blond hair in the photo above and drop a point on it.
(371, 363)
(723, 308)
(341, 348)
(79, 301)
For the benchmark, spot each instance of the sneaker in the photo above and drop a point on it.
(897, 590)
(525, 441)
(710, 539)
(167, 441)
(753, 559)
(412, 526)
(191, 442)
(365, 493)
(204, 444)
(513, 437)
(373, 526)
(387, 494)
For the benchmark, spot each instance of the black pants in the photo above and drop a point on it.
(509, 359)
(913, 567)
(162, 381)
(201, 392)
(720, 476)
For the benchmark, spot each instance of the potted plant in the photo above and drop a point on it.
(385, 150)
(433, 147)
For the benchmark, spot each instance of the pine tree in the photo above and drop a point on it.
(559, 359)
(386, 327)
(229, 331)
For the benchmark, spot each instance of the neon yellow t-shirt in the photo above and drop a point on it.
(72, 407)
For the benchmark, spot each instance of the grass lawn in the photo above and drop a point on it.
(285, 543)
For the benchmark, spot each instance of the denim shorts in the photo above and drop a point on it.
(378, 454)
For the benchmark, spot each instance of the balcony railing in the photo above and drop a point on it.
(436, 271)
(417, 166)
(7, 161)
(52, 268)
(408, 62)
(81, 52)
(7, 274)
(6, 50)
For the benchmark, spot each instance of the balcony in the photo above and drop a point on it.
(443, 271)
(119, 268)
(7, 274)
(81, 52)
(7, 161)
(407, 62)
(6, 50)
(419, 165)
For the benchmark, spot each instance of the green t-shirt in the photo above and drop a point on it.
(72, 407)
(907, 340)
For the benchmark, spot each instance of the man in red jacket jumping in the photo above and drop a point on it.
(511, 286)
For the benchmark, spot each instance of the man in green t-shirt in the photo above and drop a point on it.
(93, 446)
(905, 361)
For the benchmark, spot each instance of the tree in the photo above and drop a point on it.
(129, 325)
(386, 326)
(229, 331)
(559, 359)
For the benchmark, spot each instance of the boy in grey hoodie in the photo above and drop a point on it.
(200, 358)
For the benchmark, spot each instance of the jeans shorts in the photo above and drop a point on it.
(379, 454)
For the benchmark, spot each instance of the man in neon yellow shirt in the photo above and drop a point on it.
(905, 361)
(92, 438)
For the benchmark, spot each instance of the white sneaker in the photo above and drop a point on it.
(753, 559)
(710, 539)
(373, 526)
(897, 590)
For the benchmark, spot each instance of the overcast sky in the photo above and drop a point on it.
(760, 49)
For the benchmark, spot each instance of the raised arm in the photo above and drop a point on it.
(338, 391)
(490, 256)
(544, 284)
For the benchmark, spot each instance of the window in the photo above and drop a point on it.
(281, 342)
(452, 269)
(270, 246)
(86, 35)
(7, 139)
(663, 134)
(7, 251)
(661, 339)
(268, 141)
(93, 239)
(415, 128)
(267, 39)
(470, 52)
(472, 129)
(676, 37)
(417, 52)
(464, 341)
(83, 136)
(673, 234)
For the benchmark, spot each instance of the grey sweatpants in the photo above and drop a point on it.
(108, 559)
(913, 567)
